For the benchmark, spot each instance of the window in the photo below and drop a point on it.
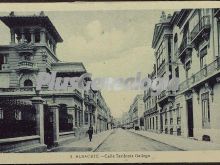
(175, 45)
(1, 113)
(171, 118)
(17, 114)
(188, 65)
(205, 12)
(160, 56)
(37, 37)
(165, 118)
(203, 53)
(28, 83)
(177, 72)
(205, 110)
(3, 60)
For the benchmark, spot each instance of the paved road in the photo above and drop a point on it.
(123, 140)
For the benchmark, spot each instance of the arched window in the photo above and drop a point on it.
(28, 83)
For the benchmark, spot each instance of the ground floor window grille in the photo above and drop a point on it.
(205, 110)
(171, 131)
(178, 131)
(17, 118)
(65, 119)
(166, 130)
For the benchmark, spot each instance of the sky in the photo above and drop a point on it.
(110, 43)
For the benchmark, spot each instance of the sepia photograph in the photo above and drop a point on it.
(86, 82)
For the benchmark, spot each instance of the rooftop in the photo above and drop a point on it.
(41, 20)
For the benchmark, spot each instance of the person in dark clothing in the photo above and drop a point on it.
(90, 132)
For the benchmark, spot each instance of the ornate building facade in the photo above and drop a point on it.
(34, 119)
(187, 45)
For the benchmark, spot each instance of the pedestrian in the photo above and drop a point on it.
(90, 132)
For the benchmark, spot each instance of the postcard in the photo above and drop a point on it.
(109, 82)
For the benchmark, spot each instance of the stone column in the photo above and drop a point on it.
(32, 36)
(42, 36)
(77, 117)
(22, 36)
(55, 111)
(38, 104)
(83, 113)
(12, 36)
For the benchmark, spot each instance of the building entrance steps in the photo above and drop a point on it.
(84, 144)
(180, 142)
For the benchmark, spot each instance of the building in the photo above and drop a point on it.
(187, 46)
(136, 112)
(162, 45)
(151, 112)
(31, 118)
(197, 38)
(126, 121)
(103, 117)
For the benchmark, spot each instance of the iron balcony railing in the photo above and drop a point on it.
(206, 71)
(164, 94)
(203, 23)
(43, 89)
(186, 43)
(151, 110)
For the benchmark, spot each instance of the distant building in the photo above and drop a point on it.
(136, 112)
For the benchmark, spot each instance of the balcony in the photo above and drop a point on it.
(150, 111)
(26, 65)
(201, 30)
(146, 95)
(185, 47)
(205, 73)
(165, 96)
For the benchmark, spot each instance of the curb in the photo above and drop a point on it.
(156, 140)
(95, 148)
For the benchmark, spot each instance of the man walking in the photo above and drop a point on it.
(90, 132)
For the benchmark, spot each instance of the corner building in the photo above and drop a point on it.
(188, 44)
(31, 120)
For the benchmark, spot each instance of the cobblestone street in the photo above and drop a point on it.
(123, 140)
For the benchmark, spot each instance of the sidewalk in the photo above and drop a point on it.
(179, 141)
(84, 144)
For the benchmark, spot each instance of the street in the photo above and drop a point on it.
(123, 140)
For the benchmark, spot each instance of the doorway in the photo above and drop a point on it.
(190, 117)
